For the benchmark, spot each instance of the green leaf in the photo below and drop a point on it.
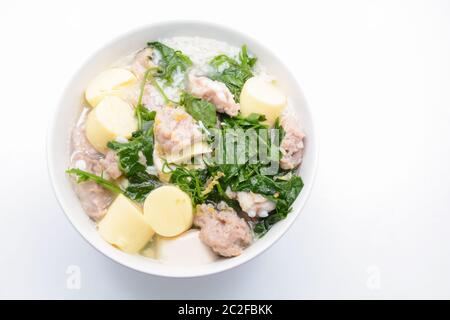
(252, 129)
(199, 109)
(83, 176)
(288, 192)
(245, 59)
(249, 177)
(252, 121)
(129, 156)
(236, 73)
(279, 127)
(190, 181)
(171, 61)
(145, 114)
(136, 191)
(260, 184)
(129, 153)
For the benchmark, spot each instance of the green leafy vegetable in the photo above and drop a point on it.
(171, 61)
(250, 131)
(277, 126)
(195, 183)
(281, 134)
(235, 73)
(149, 76)
(190, 181)
(249, 177)
(252, 121)
(142, 113)
(134, 191)
(199, 109)
(83, 176)
(145, 118)
(288, 192)
(131, 155)
(145, 114)
(138, 190)
(259, 184)
(254, 177)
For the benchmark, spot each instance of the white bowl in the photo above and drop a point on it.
(69, 109)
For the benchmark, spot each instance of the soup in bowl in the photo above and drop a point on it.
(182, 149)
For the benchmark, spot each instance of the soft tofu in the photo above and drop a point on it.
(168, 210)
(263, 97)
(186, 249)
(109, 82)
(124, 226)
(112, 118)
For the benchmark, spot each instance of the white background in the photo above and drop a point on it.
(377, 76)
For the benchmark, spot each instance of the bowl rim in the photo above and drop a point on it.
(244, 258)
